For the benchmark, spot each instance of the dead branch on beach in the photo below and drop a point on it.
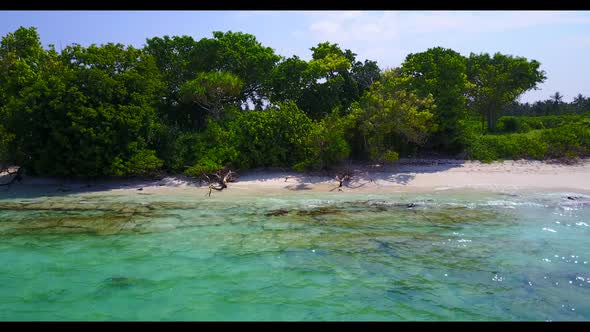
(344, 175)
(219, 180)
(18, 175)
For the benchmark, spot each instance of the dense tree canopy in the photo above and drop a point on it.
(184, 105)
(388, 118)
(441, 73)
(242, 55)
(88, 111)
(332, 79)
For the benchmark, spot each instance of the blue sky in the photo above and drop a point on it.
(560, 40)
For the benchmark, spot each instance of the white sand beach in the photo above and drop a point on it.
(433, 175)
(403, 176)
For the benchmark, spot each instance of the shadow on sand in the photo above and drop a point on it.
(35, 187)
(401, 172)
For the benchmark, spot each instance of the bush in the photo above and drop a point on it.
(326, 146)
(5, 139)
(204, 165)
(143, 162)
(211, 150)
(275, 137)
(523, 124)
(568, 141)
(508, 124)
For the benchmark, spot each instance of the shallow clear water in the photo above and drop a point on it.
(305, 256)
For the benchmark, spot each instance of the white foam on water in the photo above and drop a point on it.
(497, 278)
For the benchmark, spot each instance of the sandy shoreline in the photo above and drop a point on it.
(403, 176)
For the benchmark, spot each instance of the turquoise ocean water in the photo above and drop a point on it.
(447, 255)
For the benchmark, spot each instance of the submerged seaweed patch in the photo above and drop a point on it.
(409, 211)
(92, 216)
(100, 218)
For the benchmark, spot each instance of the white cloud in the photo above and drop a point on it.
(386, 31)
(383, 26)
(343, 27)
(326, 28)
(388, 36)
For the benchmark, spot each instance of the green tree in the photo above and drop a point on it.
(211, 150)
(212, 91)
(389, 117)
(242, 55)
(22, 62)
(289, 80)
(365, 74)
(440, 72)
(333, 86)
(5, 140)
(579, 99)
(89, 112)
(331, 80)
(557, 98)
(581, 103)
(273, 137)
(325, 144)
(174, 57)
(498, 80)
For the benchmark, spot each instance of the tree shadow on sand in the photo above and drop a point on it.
(402, 172)
(299, 186)
(35, 187)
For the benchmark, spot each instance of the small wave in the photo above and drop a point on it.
(566, 194)
(512, 204)
(549, 230)
(568, 208)
(312, 203)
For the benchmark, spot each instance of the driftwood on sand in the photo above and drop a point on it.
(220, 181)
(344, 175)
(18, 176)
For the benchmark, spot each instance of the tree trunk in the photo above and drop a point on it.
(491, 120)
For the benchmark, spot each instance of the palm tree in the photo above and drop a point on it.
(557, 98)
